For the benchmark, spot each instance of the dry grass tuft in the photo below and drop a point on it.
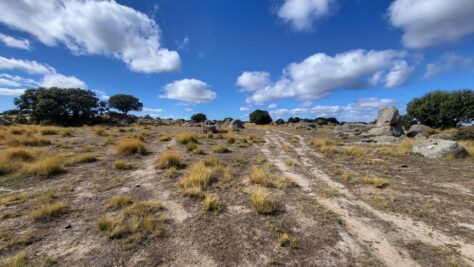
(375, 181)
(122, 165)
(171, 172)
(212, 202)
(469, 146)
(259, 176)
(66, 132)
(19, 260)
(120, 202)
(165, 138)
(135, 222)
(198, 176)
(220, 149)
(290, 162)
(284, 240)
(231, 137)
(187, 137)
(45, 166)
(84, 158)
(131, 146)
(100, 131)
(263, 202)
(26, 141)
(49, 131)
(325, 145)
(49, 211)
(169, 159)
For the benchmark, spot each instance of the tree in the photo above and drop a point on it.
(260, 117)
(443, 109)
(199, 117)
(279, 122)
(125, 103)
(59, 105)
(293, 120)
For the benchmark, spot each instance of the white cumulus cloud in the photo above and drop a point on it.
(50, 77)
(320, 74)
(252, 80)
(301, 14)
(244, 109)
(93, 28)
(15, 42)
(189, 90)
(428, 23)
(11, 92)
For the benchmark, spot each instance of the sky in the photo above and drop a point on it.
(306, 58)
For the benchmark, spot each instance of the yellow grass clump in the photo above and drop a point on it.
(26, 141)
(469, 146)
(259, 176)
(220, 149)
(100, 131)
(231, 137)
(263, 202)
(375, 181)
(45, 167)
(212, 202)
(66, 132)
(49, 131)
(131, 146)
(49, 211)
(169, 159)
(164, 138)
(120, 202)
(187, 137)
(122, 165)
(83, 158)
(197, 177)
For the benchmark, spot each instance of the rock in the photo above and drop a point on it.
(388, 123)
(387, 116)
(396, 130)
(4, 121)
(383, 140)
(210, 128)
(419, 129)
(443, 136)
(236, 124)
(351, 129)
(438, 148)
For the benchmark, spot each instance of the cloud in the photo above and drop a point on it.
(50, 78)
(31, 67)
(244, 109)
(93, 28)
(189, 90)
(101, 94)
(272, 106)
(364, 109)
(429, 23)
(320, 74)
(14, 42)
(301, 14)
(11, 92)
(16, 81)
(152, 110)
(252, 80)
(184, 44)
(61, 81)
(188, 109)
(447, 62)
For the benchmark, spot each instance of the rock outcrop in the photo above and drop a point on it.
(388, 123)
(351, 129)
(438, 148)
(236, 125)
(420, 129)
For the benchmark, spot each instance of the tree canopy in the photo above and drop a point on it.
(125, 103)
(260, 117)
(443, 109)
(199, 117)
(59, 105)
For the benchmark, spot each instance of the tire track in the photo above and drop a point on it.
(406, 228)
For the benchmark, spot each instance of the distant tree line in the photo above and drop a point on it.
(70, 105)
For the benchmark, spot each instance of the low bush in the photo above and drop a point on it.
(187, 137)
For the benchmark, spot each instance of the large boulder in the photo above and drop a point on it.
(438, 148)
(236, 125)
(4, 121)
(395, 130)
(210, 128)
(388, 123)
(419, 129)
(351, 129)
(387, 116)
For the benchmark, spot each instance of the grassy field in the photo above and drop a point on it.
(263, 196)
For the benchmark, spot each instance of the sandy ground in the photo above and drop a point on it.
(424, 217)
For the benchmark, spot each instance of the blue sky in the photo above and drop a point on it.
(304, 58)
